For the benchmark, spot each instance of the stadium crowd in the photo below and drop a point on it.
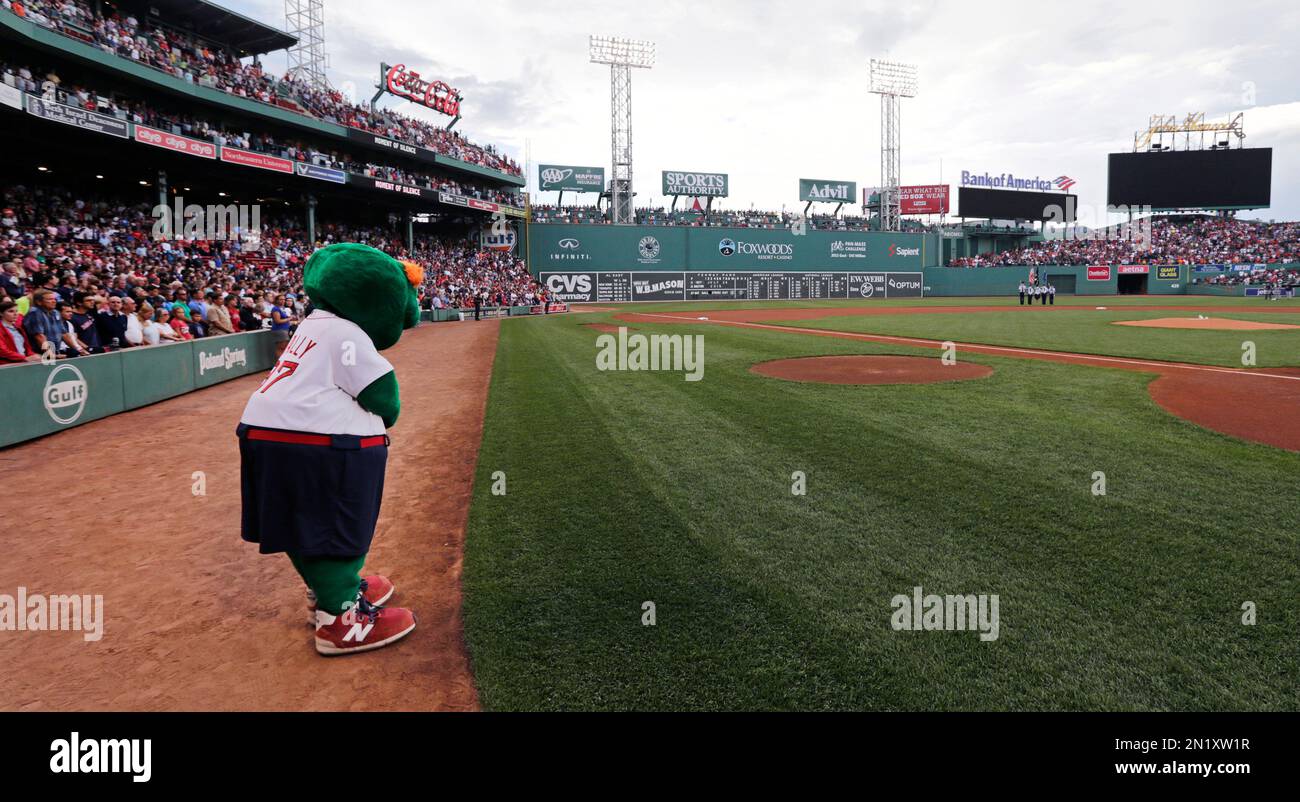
(701, 218)
(206, 64)
(48, 84)
(1196, 240)
(88, 276)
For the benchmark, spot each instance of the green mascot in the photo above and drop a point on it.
(313, 444)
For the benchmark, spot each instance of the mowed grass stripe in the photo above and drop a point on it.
(626, 487)
(1090, 332)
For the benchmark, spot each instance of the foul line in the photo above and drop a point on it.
(1155, 365)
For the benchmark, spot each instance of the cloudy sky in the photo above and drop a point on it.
(773, 91)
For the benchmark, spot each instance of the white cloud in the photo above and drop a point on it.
(771, 92)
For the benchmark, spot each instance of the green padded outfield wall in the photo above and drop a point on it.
(554, 248)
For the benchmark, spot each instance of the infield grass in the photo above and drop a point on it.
(631, 487)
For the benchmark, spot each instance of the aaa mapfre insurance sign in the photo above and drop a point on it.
(931, 199)
(1099, 273)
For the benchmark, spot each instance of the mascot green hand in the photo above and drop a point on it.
(313, 444)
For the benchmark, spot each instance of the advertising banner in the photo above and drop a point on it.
(1099, 273)
(10, 96)
(258, 160)
(1168, 272)
(712, 185)
(474, 203)
(575, 179)
(621, 287)
(814, 189)
(1133, 270)
(306, 170)
(390, 186)
(70, 115)
(931, 199)
(176, 142)
(579, 247)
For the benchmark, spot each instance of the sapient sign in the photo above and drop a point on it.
(713, 185)
(814, 189)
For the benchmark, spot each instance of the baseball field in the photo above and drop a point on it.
(638, 540)
(1105, 512)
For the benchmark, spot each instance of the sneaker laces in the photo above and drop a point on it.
(366, 609)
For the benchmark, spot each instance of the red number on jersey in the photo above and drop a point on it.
(282, 370)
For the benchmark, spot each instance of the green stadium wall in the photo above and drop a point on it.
(558, 247)
(43, 399)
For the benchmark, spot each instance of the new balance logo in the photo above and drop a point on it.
(358, 632)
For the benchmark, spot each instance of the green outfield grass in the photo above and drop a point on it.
(624, 487)
(1089, 301)
(1092, 331)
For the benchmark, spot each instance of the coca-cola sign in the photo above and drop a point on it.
(434, 94)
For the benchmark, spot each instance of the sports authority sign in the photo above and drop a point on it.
(575, 179)
(699, 185)
(409, 85)
(813, 189)
(1099, 273)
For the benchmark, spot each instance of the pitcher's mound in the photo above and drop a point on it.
(1211, 323)
(870, 370)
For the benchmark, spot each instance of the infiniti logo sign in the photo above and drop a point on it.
(569, 244)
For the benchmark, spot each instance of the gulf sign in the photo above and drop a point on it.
(929, 199)
(1099, 272)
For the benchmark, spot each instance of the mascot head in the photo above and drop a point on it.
(366, 286)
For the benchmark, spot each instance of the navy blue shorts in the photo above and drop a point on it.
(309, 494)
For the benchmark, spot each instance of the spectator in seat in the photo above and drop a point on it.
(111, 323)
(219, 321)
(43, 324)
(73, 346)
(14, 345)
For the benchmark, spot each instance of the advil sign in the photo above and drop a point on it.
(811, 189)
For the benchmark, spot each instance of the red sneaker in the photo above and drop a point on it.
(361, 627)
(377, 590)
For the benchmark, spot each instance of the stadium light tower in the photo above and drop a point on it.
(305, 19)
(891, 80)
(622, 55)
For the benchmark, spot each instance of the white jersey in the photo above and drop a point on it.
(314, 386)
